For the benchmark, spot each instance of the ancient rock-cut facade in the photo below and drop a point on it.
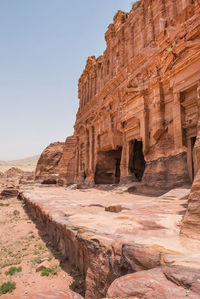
(138, 113)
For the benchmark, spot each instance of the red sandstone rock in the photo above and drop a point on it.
(138, 112)
(54, 295)
(47, 169)
(13, 172)
(9, 192)
(149, 284)
(191, 222)
(114, 209)
(43, 265)
(67, 165)
(138, 257)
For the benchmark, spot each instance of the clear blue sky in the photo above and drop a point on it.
(44, 45)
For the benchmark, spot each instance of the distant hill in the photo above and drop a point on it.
(27, 164)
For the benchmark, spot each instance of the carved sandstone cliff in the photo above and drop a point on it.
(47, 169)
(138, 113)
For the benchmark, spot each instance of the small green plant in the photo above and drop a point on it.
(11, 263)
(135, 5)
(36, 261)
(13, 270)
(7, 287)
(173, 46)
(47, 271)
(73, 286)
(16, 213)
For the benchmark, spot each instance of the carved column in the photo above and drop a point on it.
(124, 158)
(177, 121)
(150, 25)
(87, 151)
(142, 26)
(132, 41)
(158, 106)
(196, 151)
(89, 88)
(77, 157)
(144, 130)
(163, 21)
(122, 48)
(185, 3)
(172, 9)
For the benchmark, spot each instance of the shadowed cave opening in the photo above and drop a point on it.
(136, 159)
(108, 167)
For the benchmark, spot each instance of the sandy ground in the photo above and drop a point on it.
(27, 164)
(23, 244)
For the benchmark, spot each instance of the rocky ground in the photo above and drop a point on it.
(98, 242)
(25, 248)
(108, 234)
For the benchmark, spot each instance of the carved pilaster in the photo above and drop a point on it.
(172, 9)
(196, 151)
(177, 121)
(150, 25)
(144, 130)
(158, 107)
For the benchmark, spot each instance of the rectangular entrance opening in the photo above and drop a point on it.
(108, 167)
(136, 159)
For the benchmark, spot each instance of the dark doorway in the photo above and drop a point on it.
(193, 140)
(108, 167)
(136, 159)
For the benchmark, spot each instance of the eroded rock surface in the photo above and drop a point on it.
(9, 192)
(191, 222)
(104, 245)
(67, 164)
(47, 169)
(157, 283)
(53, 295)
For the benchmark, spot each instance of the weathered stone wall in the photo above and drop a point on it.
(142, 91)
(47, 169)
(67, 163)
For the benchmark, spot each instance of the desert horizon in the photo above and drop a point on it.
(25, 164)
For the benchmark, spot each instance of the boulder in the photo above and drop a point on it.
(47, 167)
(44, 265)
(9, 192)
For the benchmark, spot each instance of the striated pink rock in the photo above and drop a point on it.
(54, 295)
(47, 169)
(148, 285)
(191, 222)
